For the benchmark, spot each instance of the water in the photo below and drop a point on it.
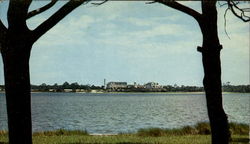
(116, 113)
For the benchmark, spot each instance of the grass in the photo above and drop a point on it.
(202, 128)
(61, 132)
(198, 134)
(236, 128)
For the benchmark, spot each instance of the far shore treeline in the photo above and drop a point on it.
(75, 87)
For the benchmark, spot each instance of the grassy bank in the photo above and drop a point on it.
(198, 134)
(202, 128)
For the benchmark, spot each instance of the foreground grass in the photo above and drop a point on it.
(128, 139)
(202, 128)
(198, 134)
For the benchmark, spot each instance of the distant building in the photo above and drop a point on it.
(116, 85)
(104, 86)
(52, 90)
(67, 90)
(130, 86)
(152, 85)
(138, 85)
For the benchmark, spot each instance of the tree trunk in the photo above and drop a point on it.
(212, 86)
(15, 56)
(212, 80)
(212, 73)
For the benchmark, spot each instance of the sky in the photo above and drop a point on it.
(131, 42)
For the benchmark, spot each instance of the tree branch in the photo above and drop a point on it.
(56, 17)
(100, 3)
(225, 22)
(150, 2)
(182, 8)
(221, 5)
(42, 9)
(233, 5)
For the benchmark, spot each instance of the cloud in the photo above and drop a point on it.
(150, 21)
(71, 31)
(162, 30)
(235, 52)
(133, 41)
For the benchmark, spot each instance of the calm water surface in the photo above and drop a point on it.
(114, 113)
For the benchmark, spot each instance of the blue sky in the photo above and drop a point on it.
(132, 42)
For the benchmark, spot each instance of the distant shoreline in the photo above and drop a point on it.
(138, 92)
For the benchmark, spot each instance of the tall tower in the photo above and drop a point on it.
(104, 82)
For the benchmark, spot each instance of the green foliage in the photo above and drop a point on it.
(61, 132)
(240, 129)
(202, 128)
(238, 88)
(3, 133)
(129, 139)
(197, 134)
(185, 135)
(155, 132)
(59, 88)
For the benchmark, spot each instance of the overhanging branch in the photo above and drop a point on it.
(233, 6)
(42, 9)
(100, 3)
(56, 17)
(182, 8)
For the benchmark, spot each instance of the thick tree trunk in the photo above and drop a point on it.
(17, 86)
(212, 86)
(212, 69)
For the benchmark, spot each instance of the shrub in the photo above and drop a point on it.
(203, 128)
(241, 129)
(154, 132)
(61, 132)
(3, 133)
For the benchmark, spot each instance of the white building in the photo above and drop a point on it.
(152, 85)
(138, 85)
(115, 85)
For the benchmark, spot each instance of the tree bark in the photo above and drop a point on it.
(16, 54)
(212, 74)
(212, 86)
